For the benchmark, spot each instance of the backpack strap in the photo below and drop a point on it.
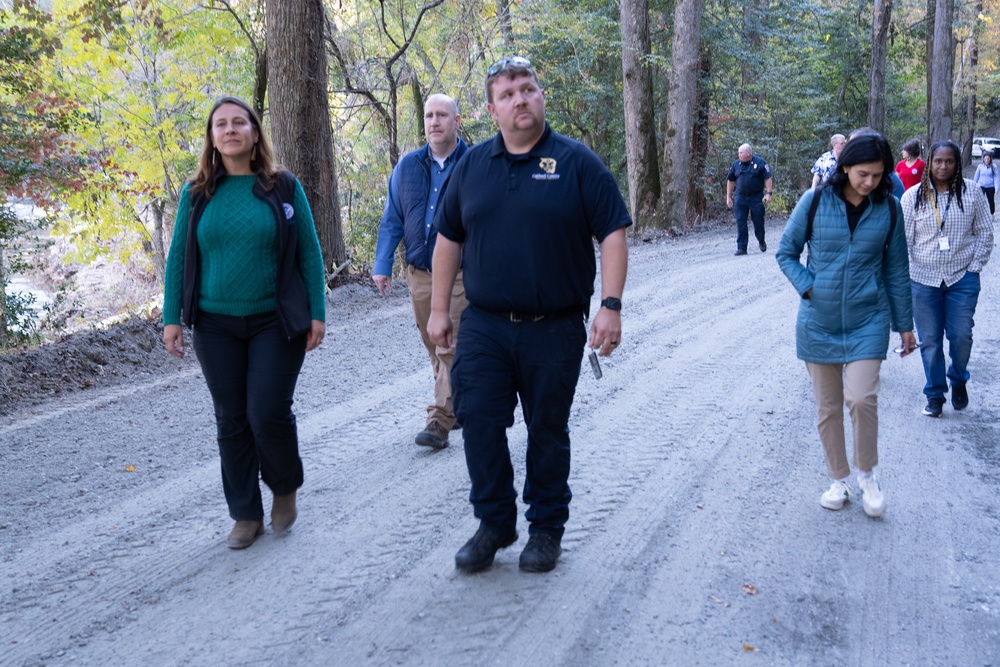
(892, 223)
(814, 205)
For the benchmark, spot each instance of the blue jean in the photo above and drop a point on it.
(496, 362)
(742, 208)
(940, 312)
(251, 369)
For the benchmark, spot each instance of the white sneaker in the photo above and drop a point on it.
(872, 498)
(835, 497)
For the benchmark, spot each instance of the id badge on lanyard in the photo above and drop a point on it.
(943, 244)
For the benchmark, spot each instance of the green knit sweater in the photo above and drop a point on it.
(238, 252)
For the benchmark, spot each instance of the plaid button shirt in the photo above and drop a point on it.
(969, 230)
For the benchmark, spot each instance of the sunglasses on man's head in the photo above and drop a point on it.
(504, 63)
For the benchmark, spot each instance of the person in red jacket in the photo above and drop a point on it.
(911, 168)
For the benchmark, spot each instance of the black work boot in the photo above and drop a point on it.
(479, 551)
(541, 552)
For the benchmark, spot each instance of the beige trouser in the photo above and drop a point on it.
(856, 384)
(419, 282)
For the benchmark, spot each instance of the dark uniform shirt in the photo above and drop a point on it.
(750, 177)
(527, 223)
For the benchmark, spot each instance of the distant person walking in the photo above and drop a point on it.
(987, 177)
(415, 189)
(826, 164)
(246, 271)
(855, 288)
(949, 232)
(750, 179)
(911, 168)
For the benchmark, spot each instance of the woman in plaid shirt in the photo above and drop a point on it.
(949, 233)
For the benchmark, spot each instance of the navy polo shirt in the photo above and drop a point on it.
(750, 177)
(527, 223)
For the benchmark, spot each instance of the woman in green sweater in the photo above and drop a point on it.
(246, 272)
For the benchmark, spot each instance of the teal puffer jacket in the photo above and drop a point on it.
(860, 286)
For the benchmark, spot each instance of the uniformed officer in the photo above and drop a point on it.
(751, 178)
(525, 208)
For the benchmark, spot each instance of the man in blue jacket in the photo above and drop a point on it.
(415, 188)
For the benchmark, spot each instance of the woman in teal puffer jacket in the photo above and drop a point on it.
(854, 286)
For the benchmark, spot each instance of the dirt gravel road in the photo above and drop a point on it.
(695, 537)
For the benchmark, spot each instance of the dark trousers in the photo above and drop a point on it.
(742, 208)
(496, 362)
(990, 193)
(251, 370)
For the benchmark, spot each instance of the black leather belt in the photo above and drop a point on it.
(522, 316)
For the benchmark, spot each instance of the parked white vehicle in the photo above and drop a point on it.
(989, 143)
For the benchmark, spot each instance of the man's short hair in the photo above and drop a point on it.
(745, 148)
(454, 104)
(836, 139)
(511, 67)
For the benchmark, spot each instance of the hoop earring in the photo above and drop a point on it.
(214, 153)
(253, 157)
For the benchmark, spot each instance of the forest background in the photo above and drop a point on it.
(103, 107)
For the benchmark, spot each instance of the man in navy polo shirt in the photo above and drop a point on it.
(525, 207)
(750, 177)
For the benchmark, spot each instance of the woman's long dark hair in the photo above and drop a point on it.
(210, 164)
(956, 188)
(862, 149)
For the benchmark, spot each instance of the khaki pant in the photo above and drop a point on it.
(855, 384)
(419, 282)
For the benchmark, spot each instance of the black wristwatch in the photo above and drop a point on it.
(611, 303)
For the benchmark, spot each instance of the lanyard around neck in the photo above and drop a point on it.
(947, 206)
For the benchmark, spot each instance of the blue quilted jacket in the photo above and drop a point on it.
(860, 283)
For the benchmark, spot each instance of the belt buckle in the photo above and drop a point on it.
(517, 317)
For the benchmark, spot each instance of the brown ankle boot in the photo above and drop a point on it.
(283, 513)
(244, 533)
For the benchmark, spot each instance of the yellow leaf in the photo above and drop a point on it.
(750, 649)
(129, 468)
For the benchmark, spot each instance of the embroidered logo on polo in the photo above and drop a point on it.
(548, 165)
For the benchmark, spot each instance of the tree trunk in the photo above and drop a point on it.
(929, 57)
(300, 115)
(973, 79)
(640, 129)
(159, 253)
(697, 199)
(682, 95)
(941, 78)
(260, 83)
(753, 45)
(506, 27)
(881, 15)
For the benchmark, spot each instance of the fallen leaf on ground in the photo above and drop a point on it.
(750, 649)
(749, 589)
(129, 468)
